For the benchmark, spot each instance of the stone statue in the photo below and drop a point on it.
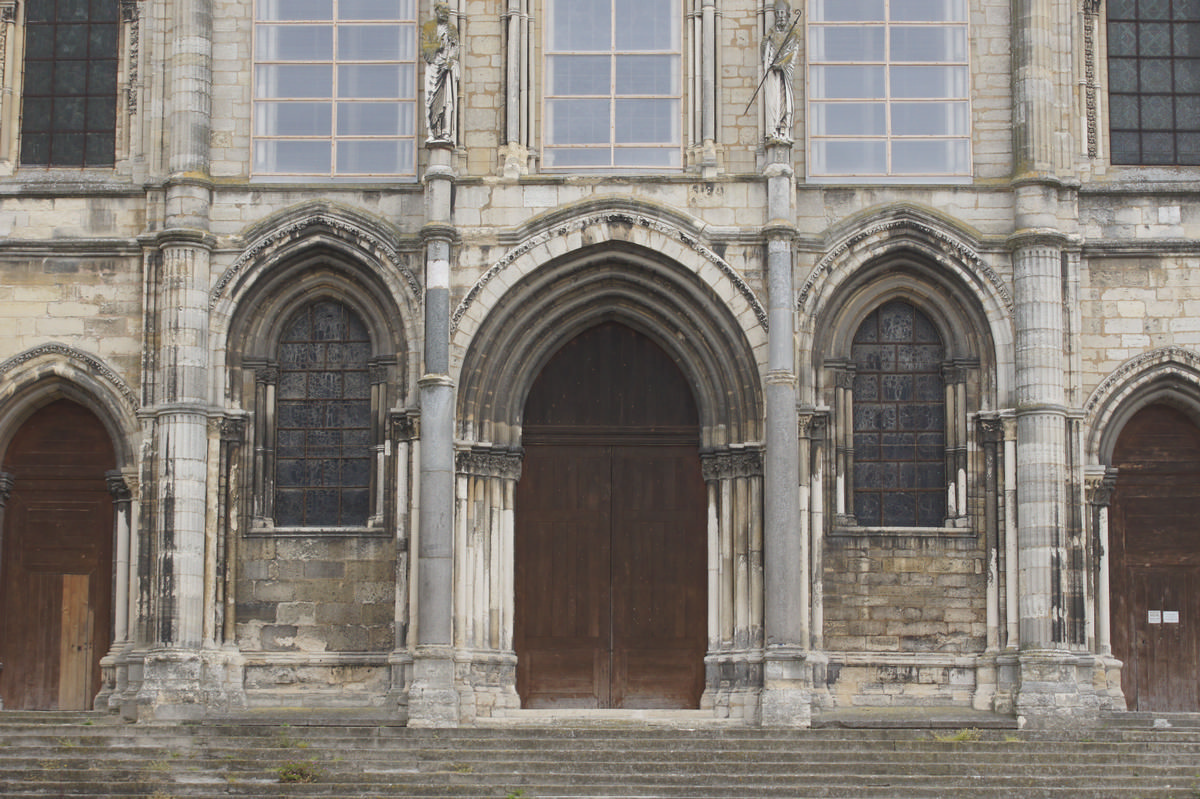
(779, 51)
(439, 48)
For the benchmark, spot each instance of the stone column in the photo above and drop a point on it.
(787, 678)
(172, 684)
(433, 699)
(6, 487)
(122, 541)
(1101, 482)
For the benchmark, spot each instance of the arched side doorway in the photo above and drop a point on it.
(56, 563)
(1155, 566)
(610, 544)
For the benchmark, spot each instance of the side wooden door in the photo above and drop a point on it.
(56, 563)
(1155, 560)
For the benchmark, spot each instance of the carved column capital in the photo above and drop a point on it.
(268, 375)
(233, 429)
(7, 479)
(117, 486)
(404, 426)
(991, 429)
(1100, 487)
(731, 463)
(489, 462)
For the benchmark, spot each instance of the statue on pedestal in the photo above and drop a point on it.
(439, 48)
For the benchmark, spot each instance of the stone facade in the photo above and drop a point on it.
(152, 293)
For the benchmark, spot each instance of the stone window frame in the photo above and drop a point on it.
(413, 100)
(254, 385)
(128, 90)
(687, 91)
(889, 137)
(962, 381)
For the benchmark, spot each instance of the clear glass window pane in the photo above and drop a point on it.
(294, 42)
(293, 157)
(929, 43)
(930, 119)
(293, 119)
(847, 11)
(580, 25)
(373, 156)
(929, 156)
(647, 121)
(647, 74)
(370, 43)
(928, 10)
(646, 24)
(849, 157)
(929, 81)
(373, 9)
(368, 119)
(288, 10)
(855, 43)
(578, 122)
(847, 82)
(849, 119)
(578, 74)
(577, 157)
(370, 80)
(296, 81)
(648, 157)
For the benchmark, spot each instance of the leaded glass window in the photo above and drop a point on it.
(899, 420)
(323, 419)
(335, 87)
(613, 91)
(69, 106)
(1154, 81)
(888, 89)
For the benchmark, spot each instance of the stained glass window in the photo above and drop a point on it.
(69, 111)
(323, 419)
(899, 420)
(1154, 81)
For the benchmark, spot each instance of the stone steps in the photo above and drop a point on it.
(86, 755)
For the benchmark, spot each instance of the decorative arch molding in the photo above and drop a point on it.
(568, 231)
(1169, 375)
(718, 347)
(314, 224)
(42, 374)
(900, 229)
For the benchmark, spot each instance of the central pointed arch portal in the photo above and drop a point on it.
(609, 503)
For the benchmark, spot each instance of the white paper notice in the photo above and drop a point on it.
(1170, 617)
(1155, 617)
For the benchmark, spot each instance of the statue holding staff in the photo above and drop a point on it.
(779, 52)
(439, 48)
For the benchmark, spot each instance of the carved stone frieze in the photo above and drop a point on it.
(1161, 356)
(611, 218)
(731, 463)
(90, 362)
(356, 234)
(487, 462)
(949, 245)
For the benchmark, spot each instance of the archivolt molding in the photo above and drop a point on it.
(355, 234)
(1165, 367)
(618, 217)
(87, 361)
(949, 245)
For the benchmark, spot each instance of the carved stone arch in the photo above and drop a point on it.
(911, 255)
(48, 372)
(717, 349)
(1168, 375)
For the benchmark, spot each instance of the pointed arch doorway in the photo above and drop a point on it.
(610, 545)
(56, 562)
(1155, 567)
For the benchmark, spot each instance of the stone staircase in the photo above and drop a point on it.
(95, 755)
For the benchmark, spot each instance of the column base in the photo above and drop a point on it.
(787, 694)
(182, 685)
(1056, 689)
(486, 682)
(733, 684)
(433, 700)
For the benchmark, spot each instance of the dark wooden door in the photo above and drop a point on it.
(1155, 560)
(56, 561)
(610, 541)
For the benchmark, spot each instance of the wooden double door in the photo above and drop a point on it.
(610, 544)
(56, 562)
(1155, 560)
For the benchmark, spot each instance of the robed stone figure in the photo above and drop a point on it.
(439, 49)
(779, 51)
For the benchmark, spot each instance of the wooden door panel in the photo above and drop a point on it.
(56, 567)
(1165, 661)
